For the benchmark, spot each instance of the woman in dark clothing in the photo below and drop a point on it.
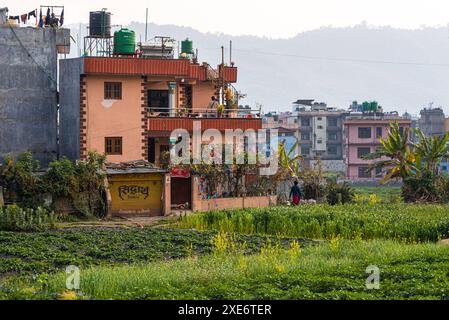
(296, 193)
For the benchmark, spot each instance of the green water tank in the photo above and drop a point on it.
(365, 106)
(187, 46)
(124, 42)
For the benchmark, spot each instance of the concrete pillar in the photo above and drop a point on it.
(166, 199)
(108, 198)
(172, 98)
(196, 195)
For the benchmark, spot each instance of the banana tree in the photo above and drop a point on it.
(399, 160)
(288, 161)
(432, 150)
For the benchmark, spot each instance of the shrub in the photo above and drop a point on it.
(80, 183)
(14, 218)
(313, 182)
(338, 193)
(60, 177)
(426, 188)
(20, 181)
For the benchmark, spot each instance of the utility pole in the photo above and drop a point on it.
(222, 74)
(230, 52)
(146, 26)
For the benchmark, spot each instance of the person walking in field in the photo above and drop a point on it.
(296, 193)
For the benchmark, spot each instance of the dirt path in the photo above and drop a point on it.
(124, 222)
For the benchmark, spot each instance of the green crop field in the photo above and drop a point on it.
(240, 254)
(412, 223)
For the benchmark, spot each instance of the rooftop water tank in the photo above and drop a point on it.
(187, 46)
(124, 42)
(100, 24)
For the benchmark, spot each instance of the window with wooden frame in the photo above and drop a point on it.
(113, 145)
(113, 91)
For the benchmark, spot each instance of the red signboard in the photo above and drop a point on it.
(180, 173)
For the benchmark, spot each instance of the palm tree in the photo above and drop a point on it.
(400, 161)
(431, 150)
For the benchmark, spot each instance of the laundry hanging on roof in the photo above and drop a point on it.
(24, 18)
(61, 20)
(47, 17)
(15, 18)
(41, 20)
(32, 14)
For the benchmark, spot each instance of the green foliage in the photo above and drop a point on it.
(431, 150)
(313, 181)
(417, 167)
(13, 218)
(51, 251)
(331, 271)
(20, 182)
(60, 177)
(338, 193)
(351, 221)
(401, 161)
(87, 192)
(288, 163)
(82, 183)
(426, 188)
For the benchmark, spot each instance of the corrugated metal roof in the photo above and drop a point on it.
(110, 171)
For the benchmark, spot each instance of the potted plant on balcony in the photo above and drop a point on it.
(183, 111)
(233, 109)
(220, 110)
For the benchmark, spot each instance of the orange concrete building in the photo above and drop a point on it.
(127, 107)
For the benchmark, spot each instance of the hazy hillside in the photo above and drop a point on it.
(317, 64)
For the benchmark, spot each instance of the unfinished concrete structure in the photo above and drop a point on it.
(28, 90)
(432, 121)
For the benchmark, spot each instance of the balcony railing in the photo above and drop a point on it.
(204, 113)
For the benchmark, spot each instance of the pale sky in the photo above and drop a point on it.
(274, 19)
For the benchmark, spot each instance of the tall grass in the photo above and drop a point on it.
(335, 270)
(412, 223)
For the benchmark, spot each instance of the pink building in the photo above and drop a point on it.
(361, 138)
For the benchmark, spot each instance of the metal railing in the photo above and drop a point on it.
(205, 113)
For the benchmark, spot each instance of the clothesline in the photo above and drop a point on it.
(50, 19)
(25, 17)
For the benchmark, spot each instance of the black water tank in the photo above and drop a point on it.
(100, 24)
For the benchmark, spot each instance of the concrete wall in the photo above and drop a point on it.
(235, 203)
(204, 205)
(115, 118)
(69, 107)
(331, 165)
(28, 92)
(202, 93)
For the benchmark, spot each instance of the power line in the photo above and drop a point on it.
(277, 54)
